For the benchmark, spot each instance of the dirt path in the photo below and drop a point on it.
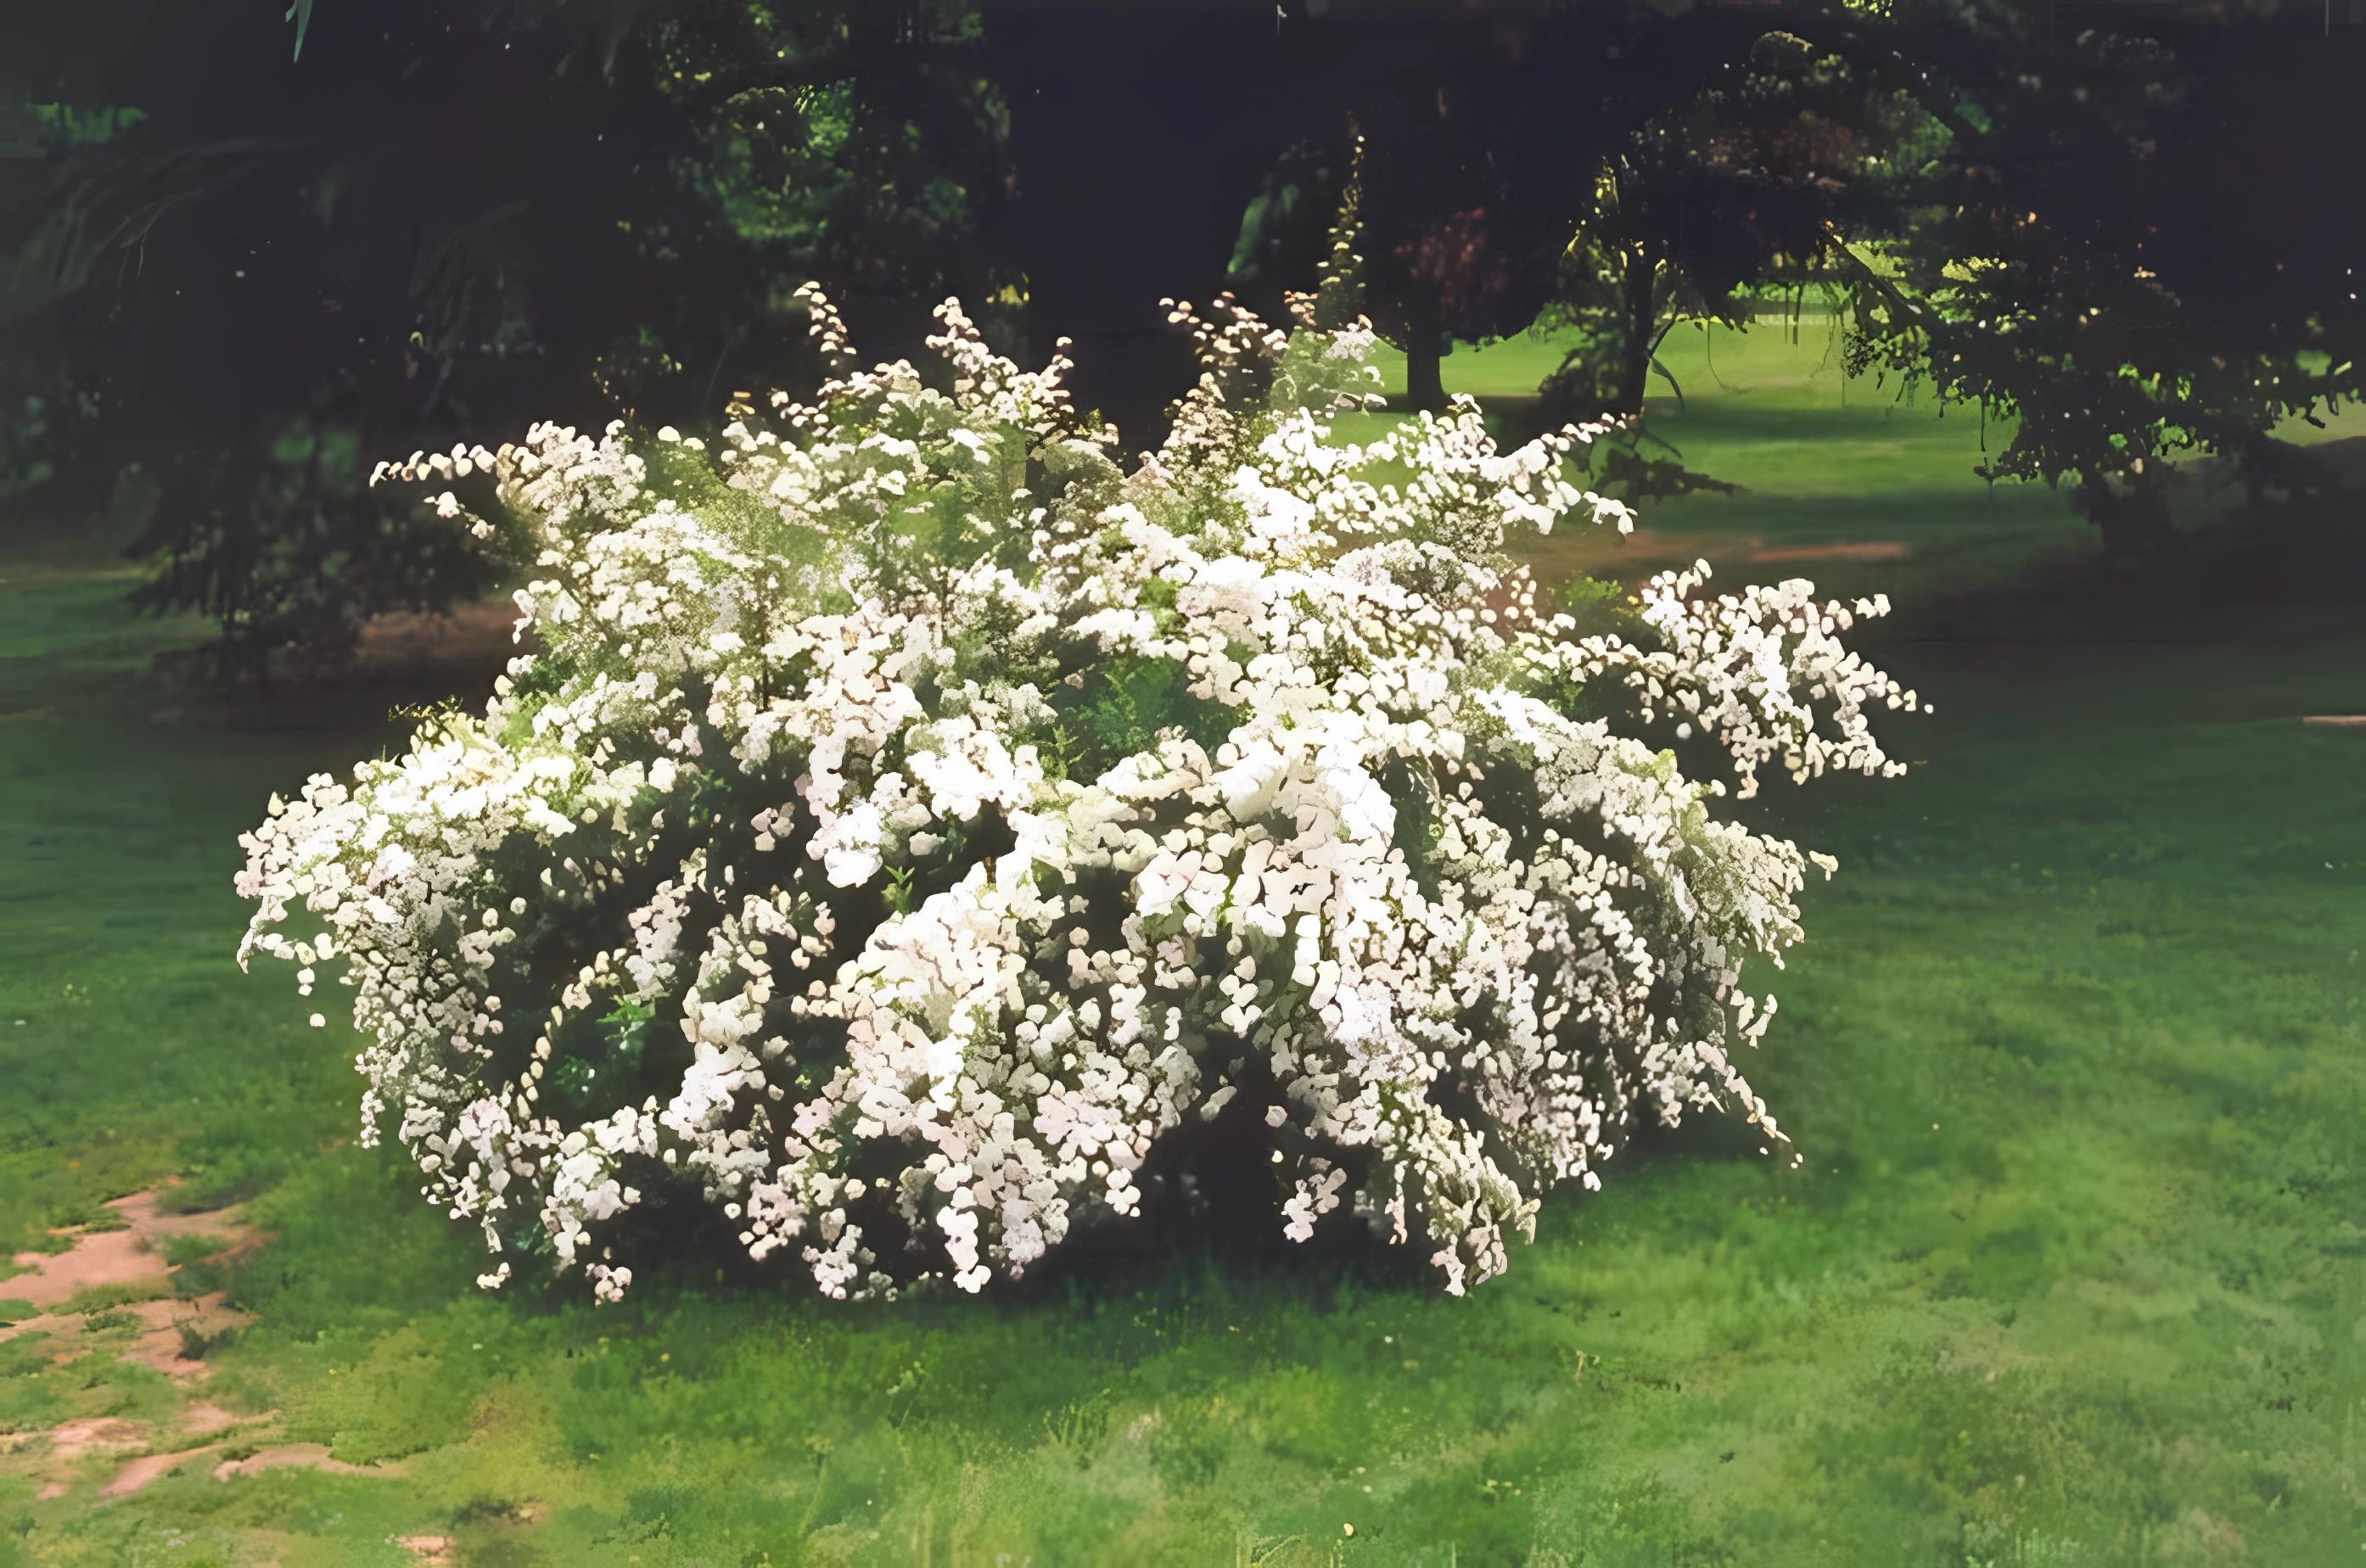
(1597, 552)
(124, 1257)
(105, 1282)
(123, 1274)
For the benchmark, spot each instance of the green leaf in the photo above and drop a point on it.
(300, 12)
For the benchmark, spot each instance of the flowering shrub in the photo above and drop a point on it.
(910, 816)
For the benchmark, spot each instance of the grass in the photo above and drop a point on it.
(2073, 1272)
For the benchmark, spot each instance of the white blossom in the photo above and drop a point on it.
(895, 839)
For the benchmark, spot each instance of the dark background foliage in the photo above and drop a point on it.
(243, 255)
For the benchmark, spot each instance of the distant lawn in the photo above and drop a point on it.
(2073, 1272)
(1823, 460)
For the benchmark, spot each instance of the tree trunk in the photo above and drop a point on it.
(1635, 348)
(2134, 518)
(1127, 190)
(1424, 378)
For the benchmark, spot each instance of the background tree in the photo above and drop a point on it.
(2139, 247)
(1284, 236)
(1464, 218)
(863, 146)
(2134, 244)
(1610, 172)
(234, 267)
(1721, 190)
(244, 270)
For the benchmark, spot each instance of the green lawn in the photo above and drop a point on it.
(2074, 1272)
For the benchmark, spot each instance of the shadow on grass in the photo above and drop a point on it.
(1221, 1238)
(403, 662)
(2262, 567)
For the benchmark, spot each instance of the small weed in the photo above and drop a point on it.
(197, 1344)
(179, 1251)
(100, 1298)
(1078, 1428)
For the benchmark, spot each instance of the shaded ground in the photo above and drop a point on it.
(2073, 1272)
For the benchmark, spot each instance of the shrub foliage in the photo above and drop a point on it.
(908, 816)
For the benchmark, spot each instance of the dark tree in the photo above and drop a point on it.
(247, 271)
(1733, 186)
(2139, 247)
(1610, 168)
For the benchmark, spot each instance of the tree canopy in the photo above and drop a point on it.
(243, 253)
(245, 270)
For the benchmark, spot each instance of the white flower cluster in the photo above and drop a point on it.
(910, 818)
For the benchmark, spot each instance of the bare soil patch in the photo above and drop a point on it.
(149, 1468)
(78, 1439)
(55, 1453)
(1598, 552)
(164, 1333)
(126, 1257)
(203, 1420)
(167, 1330)
(477, 633)
(296, 1456)
(1862, 549)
